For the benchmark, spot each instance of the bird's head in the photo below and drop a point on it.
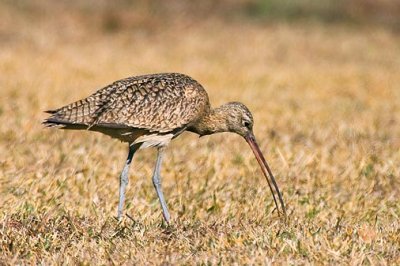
(239, 120)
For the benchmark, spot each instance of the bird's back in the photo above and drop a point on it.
(158, 103)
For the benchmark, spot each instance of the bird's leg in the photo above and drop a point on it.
(157, 184)
(124, 179)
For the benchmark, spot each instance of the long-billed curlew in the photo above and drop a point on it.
(151, 110)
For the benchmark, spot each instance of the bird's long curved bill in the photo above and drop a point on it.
(273, 186)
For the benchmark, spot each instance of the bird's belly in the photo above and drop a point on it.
(154, 140)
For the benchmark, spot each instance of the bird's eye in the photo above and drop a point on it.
(246, 124)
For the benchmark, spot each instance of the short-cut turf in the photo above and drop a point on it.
(326, 102)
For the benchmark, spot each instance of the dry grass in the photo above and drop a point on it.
(326, 101)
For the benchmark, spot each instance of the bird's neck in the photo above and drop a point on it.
(213, 121)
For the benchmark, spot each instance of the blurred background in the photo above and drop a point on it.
(320, 76)
(232, 45)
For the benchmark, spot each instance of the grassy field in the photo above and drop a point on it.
(326, 102)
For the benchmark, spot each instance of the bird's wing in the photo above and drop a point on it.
(159, 103)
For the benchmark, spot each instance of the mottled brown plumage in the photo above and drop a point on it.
(149, 111)
(159, 103)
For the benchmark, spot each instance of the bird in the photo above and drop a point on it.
(151, 110)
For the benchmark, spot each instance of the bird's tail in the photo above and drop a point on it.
(77, 115)
(54, 122)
